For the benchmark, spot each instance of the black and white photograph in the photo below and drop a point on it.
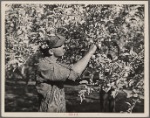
(74, 59)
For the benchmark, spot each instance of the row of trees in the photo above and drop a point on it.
(117, 29)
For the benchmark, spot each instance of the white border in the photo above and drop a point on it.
(76, 2)
(38, 114)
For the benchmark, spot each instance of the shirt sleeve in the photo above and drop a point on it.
(57, 72)
(65, 72)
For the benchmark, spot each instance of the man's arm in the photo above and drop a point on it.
(81, 64)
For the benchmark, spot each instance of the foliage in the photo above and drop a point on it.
(118, 30)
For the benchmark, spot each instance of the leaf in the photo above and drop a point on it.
(128, 104)
(135, 95)
(58, 24)
(83, 82)
(114, 93)
(131, 82)
(141, 96)
(129, 93)
(19, 32)
(68, 11)
(126, 54)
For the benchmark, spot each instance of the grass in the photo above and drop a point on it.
(18, 100)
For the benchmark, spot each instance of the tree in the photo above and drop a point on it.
(118, 30)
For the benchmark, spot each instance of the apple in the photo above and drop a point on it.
(93, 57)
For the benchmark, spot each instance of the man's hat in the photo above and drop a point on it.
(53, 41)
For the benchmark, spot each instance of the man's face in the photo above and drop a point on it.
(58, 52)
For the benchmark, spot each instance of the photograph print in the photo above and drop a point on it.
(74, 58)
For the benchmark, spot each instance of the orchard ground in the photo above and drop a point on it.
(18, 100)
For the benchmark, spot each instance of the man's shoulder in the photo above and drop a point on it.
(44, 65)
(64, 65)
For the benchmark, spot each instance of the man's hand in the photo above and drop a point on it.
(93, 48)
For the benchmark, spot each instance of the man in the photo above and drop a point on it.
(51, 74)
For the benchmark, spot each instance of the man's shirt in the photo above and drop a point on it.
(49, 83)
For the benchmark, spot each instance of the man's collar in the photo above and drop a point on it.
(51, 60)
